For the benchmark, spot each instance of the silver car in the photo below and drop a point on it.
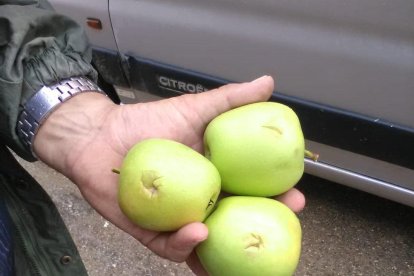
(345, 67)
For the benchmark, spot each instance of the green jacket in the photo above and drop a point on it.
(37, 47)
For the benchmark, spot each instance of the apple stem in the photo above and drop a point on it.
(117, 171)
(311, 155)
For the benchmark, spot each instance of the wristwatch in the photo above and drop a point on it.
(43, 102)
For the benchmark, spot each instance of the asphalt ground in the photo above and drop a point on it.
(345, 232)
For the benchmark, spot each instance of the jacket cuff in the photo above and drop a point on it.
(39, 48)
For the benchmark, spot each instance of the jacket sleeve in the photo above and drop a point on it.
(37, 47)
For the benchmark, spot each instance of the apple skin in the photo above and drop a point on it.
(165, 185)
(251, 236)
(257, 148)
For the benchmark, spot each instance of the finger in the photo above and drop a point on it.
(179, 245)
(195, 265)
(210, 104)
(294, 199)
(235, 95)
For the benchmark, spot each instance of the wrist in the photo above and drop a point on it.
(70, 128)
(43, 102)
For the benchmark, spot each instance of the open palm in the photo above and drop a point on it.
(104, 133)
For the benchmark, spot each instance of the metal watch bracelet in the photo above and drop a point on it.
(43, 102)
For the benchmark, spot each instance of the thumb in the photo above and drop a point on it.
(238, 94)
(181, 243)
(212, 103)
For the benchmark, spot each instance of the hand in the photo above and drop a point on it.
(89, 135)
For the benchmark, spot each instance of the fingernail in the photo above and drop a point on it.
(260, 78)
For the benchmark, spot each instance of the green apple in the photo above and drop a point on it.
(165, 185)
(252, 236)
(257, 148)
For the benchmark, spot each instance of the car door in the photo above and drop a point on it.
(356, 56)
(345, 67)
